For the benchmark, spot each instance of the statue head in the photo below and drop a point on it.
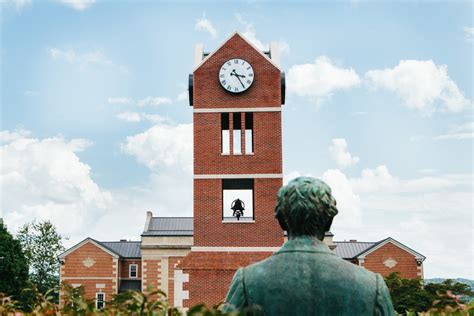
(305, 206)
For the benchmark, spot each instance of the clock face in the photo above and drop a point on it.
(236, 75)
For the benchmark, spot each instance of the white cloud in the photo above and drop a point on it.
(376, 205)
(205, 25)
(153, 101)
(421, 84)
(338, 151)
(469, 33)
(251, 35)
(79, 5)
(147, 101)
(84, 60)
(163, 145)
(134, 117)
(464, 131)
(320, 79)
(21, 4)
(348, 202)
(119, 100)
(45, 179)
(183, 96)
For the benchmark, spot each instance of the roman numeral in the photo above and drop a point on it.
(229, 87)
(249, 82)
(223, 82)
(236, 61)
(236, 89)
(250, 75)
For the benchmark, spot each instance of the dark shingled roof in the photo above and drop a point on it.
(170, 226)
(125, 249)
(351, 249)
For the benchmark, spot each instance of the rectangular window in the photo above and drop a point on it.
(237, 125)
(100, 300)
(225, 134)
(237, 200)
(133, 269)
(249, 133)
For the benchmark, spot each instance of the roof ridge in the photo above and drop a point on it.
(357, 242)
(173, 217)
(118, 241)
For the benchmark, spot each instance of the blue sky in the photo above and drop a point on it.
(96, 126)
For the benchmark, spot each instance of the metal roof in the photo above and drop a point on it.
(350, 249)
(170, 226)
(125, 249)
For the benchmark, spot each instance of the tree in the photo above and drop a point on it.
(42, 245)
(407, 294)
(13, 265)
(413, 295)
(439, 290)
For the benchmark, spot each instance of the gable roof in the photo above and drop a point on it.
(92, 241)
(126, 249)
(170, 226)
(117, 249)
(206, 58)
(385, 241)
(351, 249)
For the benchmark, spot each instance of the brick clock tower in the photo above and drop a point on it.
(236, 93)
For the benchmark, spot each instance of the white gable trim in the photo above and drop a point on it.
(220, 46)
(417, 255)
(82, 243)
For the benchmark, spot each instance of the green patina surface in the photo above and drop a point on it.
(306, 278)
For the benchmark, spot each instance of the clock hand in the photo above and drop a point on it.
(241, 82)
(236, 74)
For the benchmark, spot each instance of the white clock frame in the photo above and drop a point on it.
(236, 75)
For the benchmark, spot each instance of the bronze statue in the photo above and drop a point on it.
(305, 277)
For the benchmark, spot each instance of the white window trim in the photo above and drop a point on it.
(97, 301)
(130, 271)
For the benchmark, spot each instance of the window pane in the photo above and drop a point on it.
(248, 141)
(133, 271)
(225, 142)
(237, 142)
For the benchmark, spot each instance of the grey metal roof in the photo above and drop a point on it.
(125, 249)
(170, 226)
(350, 249)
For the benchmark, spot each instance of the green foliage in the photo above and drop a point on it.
(154, 303)
(408, 294)
(411, 296)
(42, 244)
(13, 266)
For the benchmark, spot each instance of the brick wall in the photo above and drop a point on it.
(124, 270)
(406, 263)
(209, 230)
(210, 274)
(267, 146)
(151, 274)
(264, 92)
(102, 275)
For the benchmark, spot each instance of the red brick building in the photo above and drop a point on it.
(237, 94)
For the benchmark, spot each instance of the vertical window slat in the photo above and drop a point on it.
(249, 133)
(237, 137)
(225, 134)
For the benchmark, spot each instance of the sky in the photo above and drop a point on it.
(96, 128)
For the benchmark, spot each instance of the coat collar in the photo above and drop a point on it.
(305, 244)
